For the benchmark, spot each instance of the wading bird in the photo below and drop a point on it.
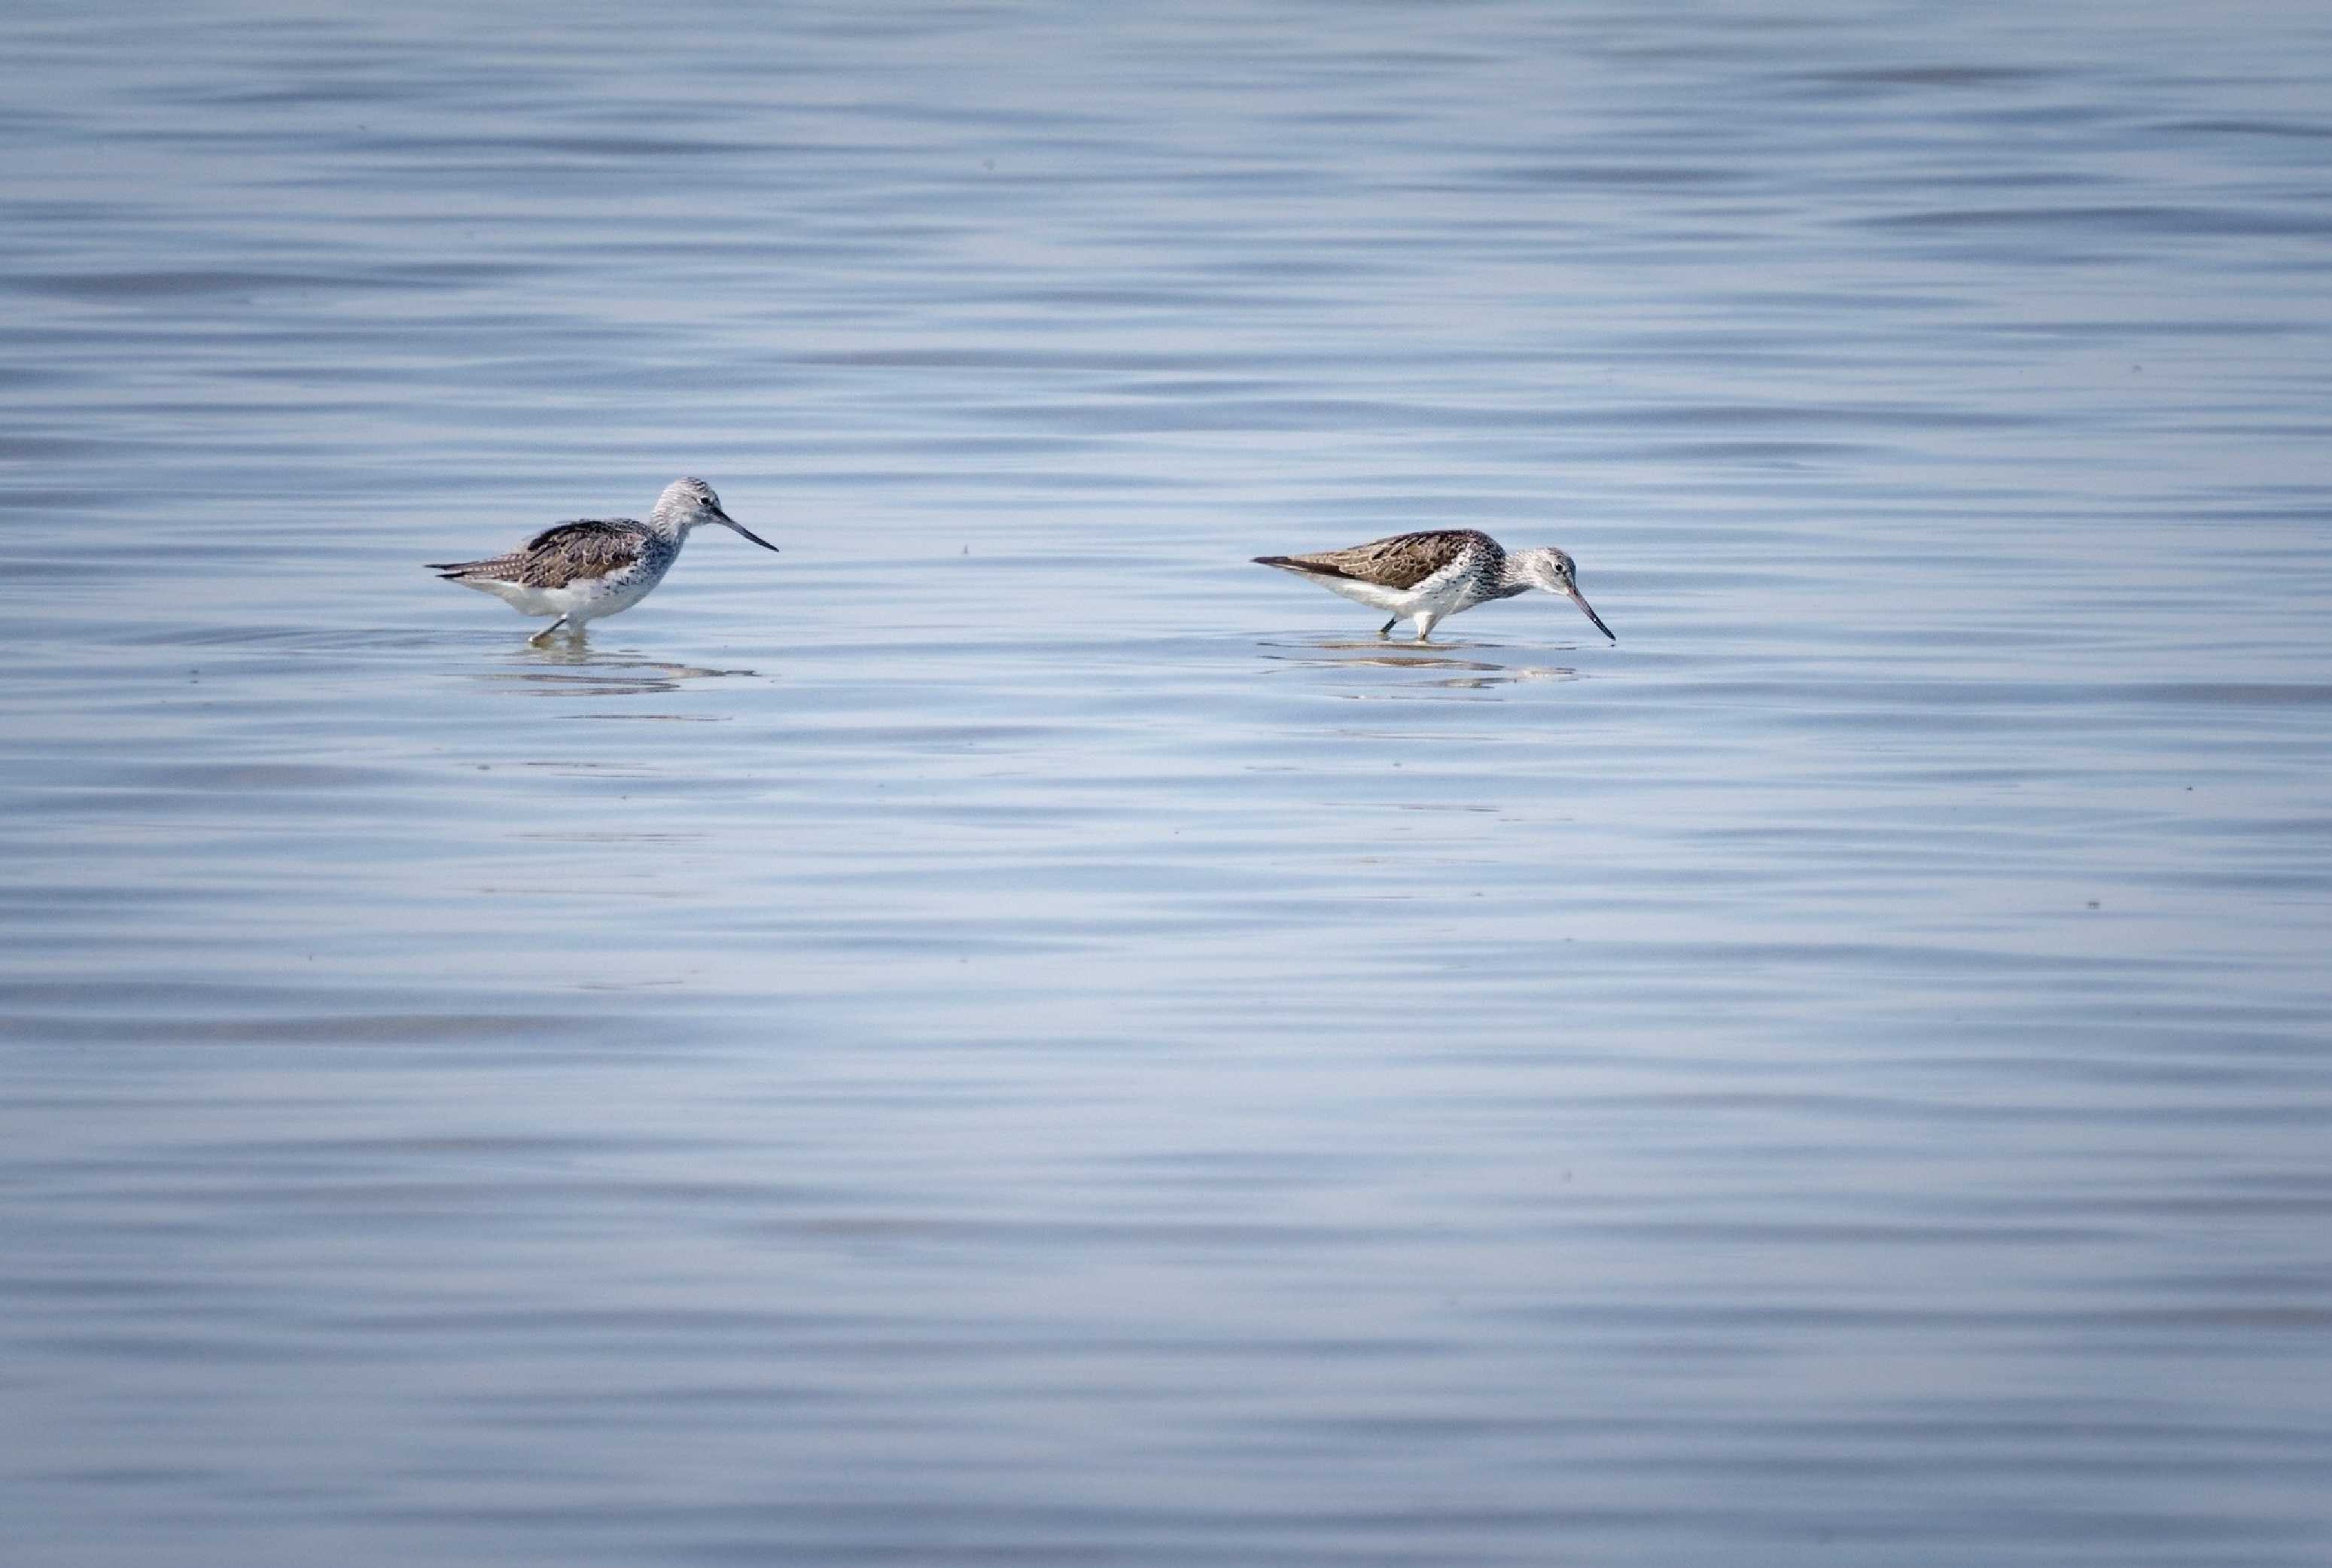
(580, 571)
(1429, 576)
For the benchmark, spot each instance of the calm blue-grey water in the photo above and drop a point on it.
(1006, 1034)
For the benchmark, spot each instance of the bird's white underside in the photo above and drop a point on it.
(578, 601)
(1438, 594)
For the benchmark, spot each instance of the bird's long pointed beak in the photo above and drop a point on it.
(756, 538)
(1591, 615)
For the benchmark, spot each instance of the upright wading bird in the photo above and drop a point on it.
(580, 571)
(1429, 576)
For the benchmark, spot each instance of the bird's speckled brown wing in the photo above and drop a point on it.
(568, 553)
(1400, 562)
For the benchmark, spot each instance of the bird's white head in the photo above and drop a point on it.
(686, 502)
(1548, 568)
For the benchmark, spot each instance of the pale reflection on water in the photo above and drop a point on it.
(577, 669)
(1480, 673)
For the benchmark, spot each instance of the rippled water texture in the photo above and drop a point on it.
(1007, 1034)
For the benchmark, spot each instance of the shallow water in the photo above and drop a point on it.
(1007, 1034)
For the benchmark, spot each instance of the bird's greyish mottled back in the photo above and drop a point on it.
(580, 571)
(568, 553)
(1430, 576)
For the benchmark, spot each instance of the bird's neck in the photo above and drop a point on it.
(1509, 582)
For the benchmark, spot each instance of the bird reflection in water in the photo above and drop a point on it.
(575, 669)
(1459, 672)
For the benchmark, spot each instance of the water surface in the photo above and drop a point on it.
(1007, 1034)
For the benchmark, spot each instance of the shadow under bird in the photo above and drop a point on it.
(1429, 576)
(582, 571)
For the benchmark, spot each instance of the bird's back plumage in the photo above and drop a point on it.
(563, 554)
(1399, 563)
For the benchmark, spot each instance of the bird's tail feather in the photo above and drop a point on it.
(1309, 566)
(454, 568)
